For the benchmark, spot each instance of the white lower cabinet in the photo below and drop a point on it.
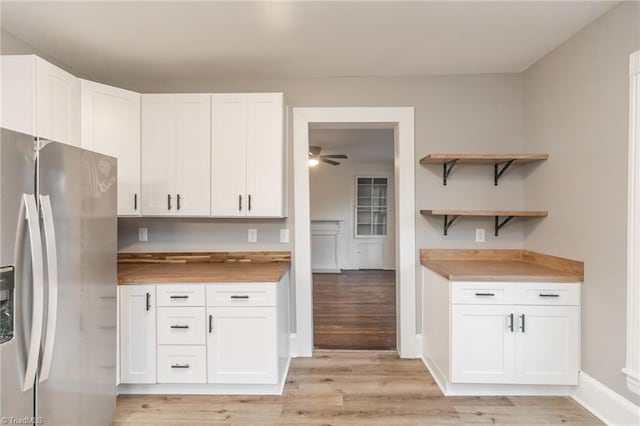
(138, 334)
(215, 335)
(242, 345)
(517, 343)
(500, 333)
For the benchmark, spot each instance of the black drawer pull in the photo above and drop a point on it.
(180, 366)
(549, 295)
(178, 297)
(240, 297)
(485, 294)
(148, 306)
(179, 326)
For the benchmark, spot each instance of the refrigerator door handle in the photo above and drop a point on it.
(29, 211)
(52, 275)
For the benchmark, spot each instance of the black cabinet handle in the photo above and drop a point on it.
(549, 295)
(179, 297)
(522, 323)
(135, 201)
(179, 326)
(240, 297)
(148, 301)
(485, 294)
(240, 203)
(180, 366)
(210, 323)
(168, 201)
(178, 198)
(511, 322)
(249, 202)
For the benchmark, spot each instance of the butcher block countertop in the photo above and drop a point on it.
(188, 268)
(501, 265)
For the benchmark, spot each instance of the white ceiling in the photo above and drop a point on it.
(362, 145)
(130, 41)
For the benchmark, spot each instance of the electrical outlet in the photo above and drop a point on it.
(253, 235)
(143, 234)
(480, 235)
(284, 235)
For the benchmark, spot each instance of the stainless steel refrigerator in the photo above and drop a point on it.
(58, 244)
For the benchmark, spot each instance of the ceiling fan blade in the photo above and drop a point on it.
(314, 150)
(333, 163)
(334, 156)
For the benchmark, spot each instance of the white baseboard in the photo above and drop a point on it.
(604, 403)
(294, 349)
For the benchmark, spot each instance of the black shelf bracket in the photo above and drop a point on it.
(500, 224)
(446, 171)
(448, 223)
(499, 171)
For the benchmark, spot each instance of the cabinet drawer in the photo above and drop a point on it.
(181, 326)
(478, 293)
(241, 294)
(180, 295)
(548, 294)
(182, 364)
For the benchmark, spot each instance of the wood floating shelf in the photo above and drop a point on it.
(501, 162)
(451, 215)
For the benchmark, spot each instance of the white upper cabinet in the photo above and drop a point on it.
(40, 99)
(110, 124)
(175, 155)
(228, 154)
(247, 155)
(265, 155)
(193, 151)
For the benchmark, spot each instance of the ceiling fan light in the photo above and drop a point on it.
(313, 162)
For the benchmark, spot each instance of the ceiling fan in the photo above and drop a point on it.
(315, 157)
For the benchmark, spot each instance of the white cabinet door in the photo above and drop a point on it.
(158, 155)
(193, 155)
(482, 344)
(547, 345)
(242, 345)
(138, 334)
(57, 104)
(110, 124)
(265, 155)
(228, 155)
(19, 93)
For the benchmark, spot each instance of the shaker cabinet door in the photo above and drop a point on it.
(482, 344)
(158, 155)
(110, 125)
(242, 345)
(193, 155)
(138, 334)
(547, 345)
(228, 155)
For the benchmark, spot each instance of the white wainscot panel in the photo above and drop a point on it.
(325, 245)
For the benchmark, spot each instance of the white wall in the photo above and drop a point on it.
(577, 109)
(332, 192)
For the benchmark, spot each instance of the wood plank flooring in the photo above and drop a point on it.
(355, 310)
(351, 388)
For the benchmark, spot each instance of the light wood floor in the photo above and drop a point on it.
(355, 310)
(352, 388)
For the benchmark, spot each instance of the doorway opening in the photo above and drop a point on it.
(352, 236)
(401, 121)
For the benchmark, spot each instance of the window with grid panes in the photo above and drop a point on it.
(371, 206)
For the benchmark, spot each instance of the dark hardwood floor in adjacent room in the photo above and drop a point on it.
(355, 310)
